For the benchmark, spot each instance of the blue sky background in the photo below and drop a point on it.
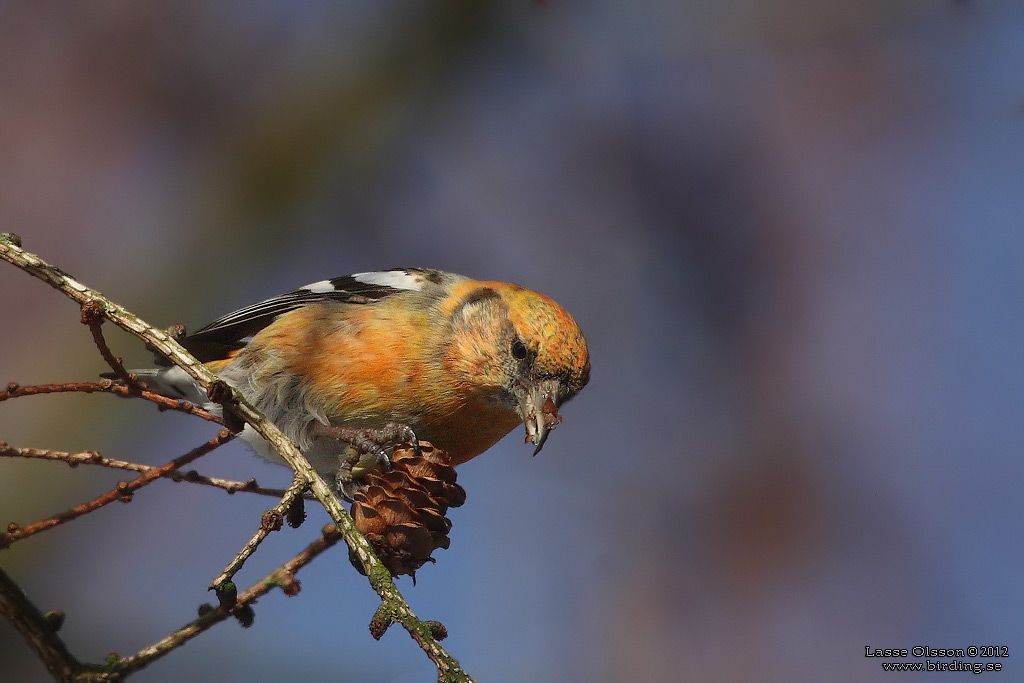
(791, 233)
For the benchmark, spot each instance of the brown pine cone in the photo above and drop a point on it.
(401, 511)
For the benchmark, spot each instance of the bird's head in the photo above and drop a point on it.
(522, 348)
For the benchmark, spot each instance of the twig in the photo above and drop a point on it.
(92, 317)
(272, 520)
(283, 577)
(41, 634)
(75, 458)
(123, 492)
(106, 386)
(393, 607)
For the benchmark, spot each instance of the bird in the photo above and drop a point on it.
(350, 366)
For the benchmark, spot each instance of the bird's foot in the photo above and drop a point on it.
(367, 450)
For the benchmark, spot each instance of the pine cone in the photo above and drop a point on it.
(401, 511)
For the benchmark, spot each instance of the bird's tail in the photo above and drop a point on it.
(171, 382)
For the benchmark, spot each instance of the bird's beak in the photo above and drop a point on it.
(539, 412)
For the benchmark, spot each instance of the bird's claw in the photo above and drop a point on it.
(343, 480)
(405, 434)
(368, 450)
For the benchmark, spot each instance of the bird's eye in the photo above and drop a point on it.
(518, 350)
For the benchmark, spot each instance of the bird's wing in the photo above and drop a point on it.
(221, 338)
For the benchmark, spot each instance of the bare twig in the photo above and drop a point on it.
(272, 520)
(41, 633)
(393, 607)
(75, 458)
(123, 492)
(92, 317)
(283, 577)
(106, 386)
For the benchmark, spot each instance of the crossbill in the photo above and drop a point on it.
(407, 354)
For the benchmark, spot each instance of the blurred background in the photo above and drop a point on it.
(791, 232)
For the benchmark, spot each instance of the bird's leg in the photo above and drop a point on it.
(367, 449)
